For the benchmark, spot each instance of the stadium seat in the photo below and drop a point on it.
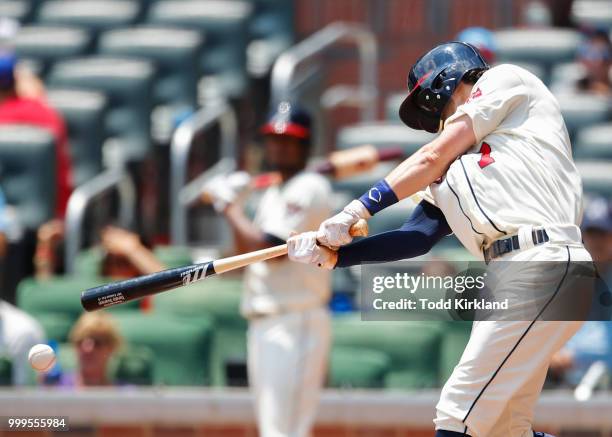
(455, 337)
(27, 174)
(47, 44)
(357, 367)
(592, 13)
(413, 347)
(392, 105)
(6, 372)
(181, 346)
(94, 15)
(173, 256)
(83, 112)
(381, 135)
(582, 110)
(225, 27)
(594, 142)
(19, 10)
(563, 76)
(56, 325)
(57, 301)
(596, 177)
(543, 46)
(174, 52)
(219, 299)
(128, 85)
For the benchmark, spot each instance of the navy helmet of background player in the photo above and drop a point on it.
(287, 138)
(432, 81)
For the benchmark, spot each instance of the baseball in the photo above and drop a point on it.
(41, 357)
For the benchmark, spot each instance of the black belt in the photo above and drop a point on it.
(507, 245)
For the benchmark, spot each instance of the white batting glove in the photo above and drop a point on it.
(334, 232)
(303, 248)
(224, 190)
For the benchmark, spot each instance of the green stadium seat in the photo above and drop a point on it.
(592, 13)
(582, 110)
(174, 52)
(83, 112)
(88, 262)
(173, 256)
(544, 46)
(27, 174)
(19, 10)
(225, 27)
(94, 15)
(128, 85)
(219, 299)
(181, 345)
(413, 347)
(57, 325)
(357, 367)
(594, 142)
(272, 19)
(596, 177)
(381, 135)
(455, 338)
(48, 44)
(6, 372)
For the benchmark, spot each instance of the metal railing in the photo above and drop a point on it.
(284, 73)
(181, 193)
(83, 196)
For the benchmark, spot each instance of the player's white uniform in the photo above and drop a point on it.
(289, 329)
(518, 176)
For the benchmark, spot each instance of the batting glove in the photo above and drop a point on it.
(224, 190)
(303, 248)
(334, 232)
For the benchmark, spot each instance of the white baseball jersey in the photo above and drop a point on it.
(519, 173)
(279, 286)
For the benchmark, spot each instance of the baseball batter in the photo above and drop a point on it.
(500, 176)
(286, 303)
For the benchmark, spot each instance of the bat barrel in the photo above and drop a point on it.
(120, 292)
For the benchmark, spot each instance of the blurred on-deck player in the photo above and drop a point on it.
(285, 302)
(501, 177)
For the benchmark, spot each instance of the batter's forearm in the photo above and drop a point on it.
(425, 227)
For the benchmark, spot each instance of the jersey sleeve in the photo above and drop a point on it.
(494, 96)
(305, 204)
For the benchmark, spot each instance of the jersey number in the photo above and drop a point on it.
(486, 158)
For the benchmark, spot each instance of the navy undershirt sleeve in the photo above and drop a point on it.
(425, 227)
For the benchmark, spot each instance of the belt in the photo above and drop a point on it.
(506, 245)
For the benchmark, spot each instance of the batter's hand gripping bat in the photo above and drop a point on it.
(124, 291)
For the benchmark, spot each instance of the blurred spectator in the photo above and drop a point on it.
(482, 39)
(593, 342)
(21, 102)
(595, 54)
(125, 254)
(18, 333)
(96, 339)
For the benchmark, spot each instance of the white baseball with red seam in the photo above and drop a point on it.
(41, 357)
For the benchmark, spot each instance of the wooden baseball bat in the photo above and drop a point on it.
(124, 291)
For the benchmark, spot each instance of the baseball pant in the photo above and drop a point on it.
(493, 390)
(287, 362)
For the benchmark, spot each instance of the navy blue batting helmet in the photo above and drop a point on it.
(432, 80)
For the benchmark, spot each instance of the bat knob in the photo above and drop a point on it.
(359, 229)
